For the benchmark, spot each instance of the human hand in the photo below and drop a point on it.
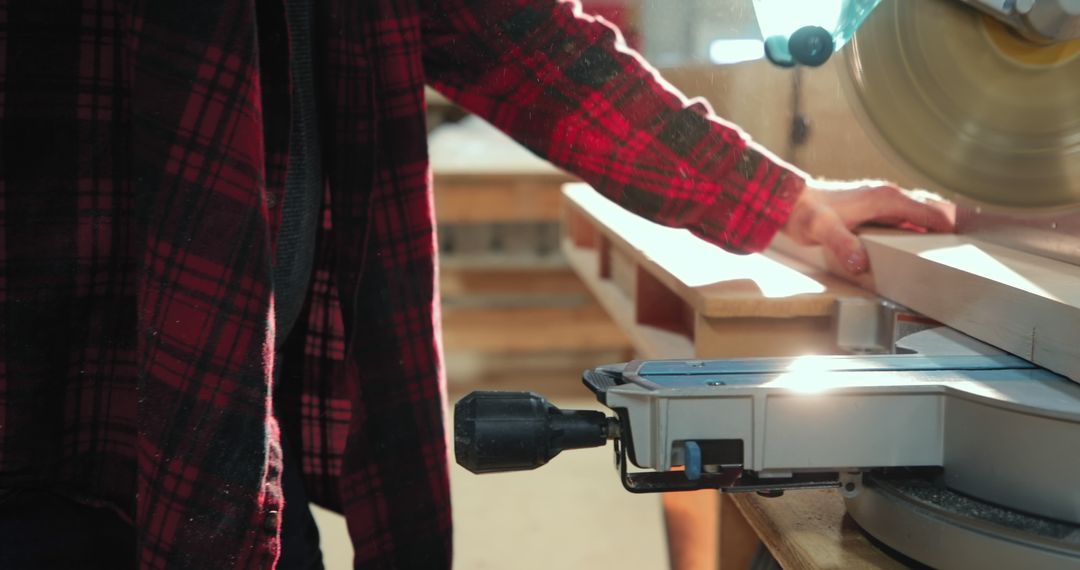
(827, 212)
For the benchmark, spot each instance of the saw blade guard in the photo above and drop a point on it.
(967, 106)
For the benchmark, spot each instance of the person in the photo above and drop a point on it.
(218, 251)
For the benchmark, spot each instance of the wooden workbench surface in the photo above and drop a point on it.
(810, 529)
(481, 175)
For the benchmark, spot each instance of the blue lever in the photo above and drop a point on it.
(693, 460)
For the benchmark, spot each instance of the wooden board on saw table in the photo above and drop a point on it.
(1021, 303)
(810, 529)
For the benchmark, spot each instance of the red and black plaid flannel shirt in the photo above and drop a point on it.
(141, 170)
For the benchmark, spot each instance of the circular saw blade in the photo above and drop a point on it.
(966, 106)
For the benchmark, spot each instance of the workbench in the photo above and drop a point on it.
(676, 296)
(482, 175)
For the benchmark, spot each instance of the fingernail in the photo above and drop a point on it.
(857, 261)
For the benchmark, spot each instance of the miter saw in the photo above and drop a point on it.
(951, 451)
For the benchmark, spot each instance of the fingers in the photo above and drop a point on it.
(889, 204)
(831, 232)
(827, 212)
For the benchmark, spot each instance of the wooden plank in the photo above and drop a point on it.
(748, 337)
(604, 269)
(1021, 303)
(531, 329)
(497, 198)
(648, 342)
(810, 529)
(578, 229)
(618, 265)
(457, 282)
(657, 306)
(714, 282)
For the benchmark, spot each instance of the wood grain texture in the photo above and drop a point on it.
(531, 329)
(810, 529)
(749, 337)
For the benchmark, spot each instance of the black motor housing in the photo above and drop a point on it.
(517, 431)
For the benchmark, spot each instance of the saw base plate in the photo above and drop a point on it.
(944, 529)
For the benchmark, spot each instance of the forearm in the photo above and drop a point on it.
(566, 86)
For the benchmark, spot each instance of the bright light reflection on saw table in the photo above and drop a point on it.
(811, 375)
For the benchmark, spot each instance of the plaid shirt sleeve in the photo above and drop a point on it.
(566, 86)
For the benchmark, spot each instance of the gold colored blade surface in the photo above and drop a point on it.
(967, 106)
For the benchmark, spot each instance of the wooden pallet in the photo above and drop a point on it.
(677, 296)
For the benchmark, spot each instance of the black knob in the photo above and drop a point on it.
(516, 431)
(811, 45)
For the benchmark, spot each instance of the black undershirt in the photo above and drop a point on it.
(292, 270)
(304, 178)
